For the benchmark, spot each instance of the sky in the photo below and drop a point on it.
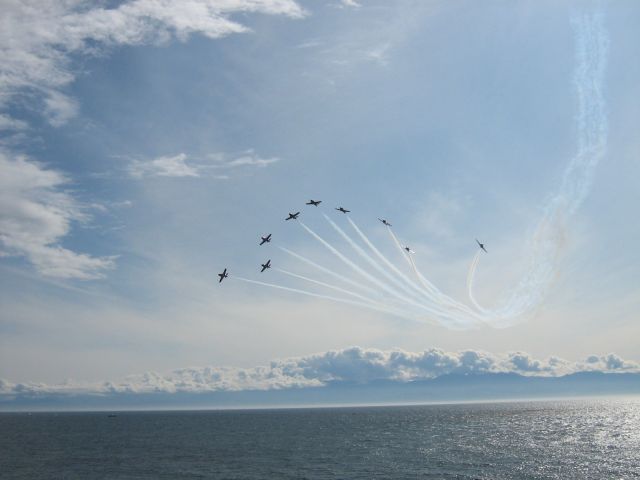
(146, 146)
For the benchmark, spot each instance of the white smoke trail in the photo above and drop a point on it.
(470, 280)
(371, 306)
(347, 280)
(356, 268)
(326, 285)
(546, 245)
(379, 268)
(384, 259)
(432, 308)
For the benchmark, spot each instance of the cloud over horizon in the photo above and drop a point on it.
(355, 365)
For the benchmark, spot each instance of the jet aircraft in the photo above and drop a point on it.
(266, 239)
(385, 222)
(293, 216)
(315, 203)
(409, 250)
(223, 275)
(340, 209)
(481, 245)
(265, 265)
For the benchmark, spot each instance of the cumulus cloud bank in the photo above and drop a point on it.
(355, 365)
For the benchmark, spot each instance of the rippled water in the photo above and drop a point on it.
(554, 440)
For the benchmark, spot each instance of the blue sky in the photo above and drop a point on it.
(141, 157)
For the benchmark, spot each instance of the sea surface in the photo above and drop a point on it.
(539, 440)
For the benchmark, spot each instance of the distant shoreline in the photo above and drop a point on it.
(258, 408)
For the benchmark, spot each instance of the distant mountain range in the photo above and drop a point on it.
(445, 388)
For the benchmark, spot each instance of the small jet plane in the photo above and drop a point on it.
(265, 265)
(481, 245)
(385, 222)
(340, 209)
(293, 216)
(223, 275)
(409, 250)
(315, 203)
(266, 239)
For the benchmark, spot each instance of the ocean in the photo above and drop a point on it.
(582, 439)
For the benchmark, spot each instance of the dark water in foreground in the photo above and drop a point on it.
(554, 440)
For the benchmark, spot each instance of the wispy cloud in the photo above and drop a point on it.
(211, 166)
(38, 41)
(355, 364)
(38, 37)
(175, 166)
(9, 123)
(36, 213)
(348, 4)
(248, 158)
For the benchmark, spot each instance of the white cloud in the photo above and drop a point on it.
(249, 159)
(10, 123)
(379, 53)
(349, 4)
(35, 213)
(37, 37)
(353, 364)
(182, 165)
(175, 166)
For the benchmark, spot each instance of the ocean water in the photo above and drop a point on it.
(538, 440)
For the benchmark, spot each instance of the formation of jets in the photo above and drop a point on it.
(294, 216)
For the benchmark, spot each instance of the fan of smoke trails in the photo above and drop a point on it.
(448, 304)
(371, 261)
(349, 281)
(327, 285)
(328, 297)
(355, 267)
(422, 308)
(386, 261)
(435, 304)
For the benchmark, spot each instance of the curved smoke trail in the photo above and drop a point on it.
(592, 127)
